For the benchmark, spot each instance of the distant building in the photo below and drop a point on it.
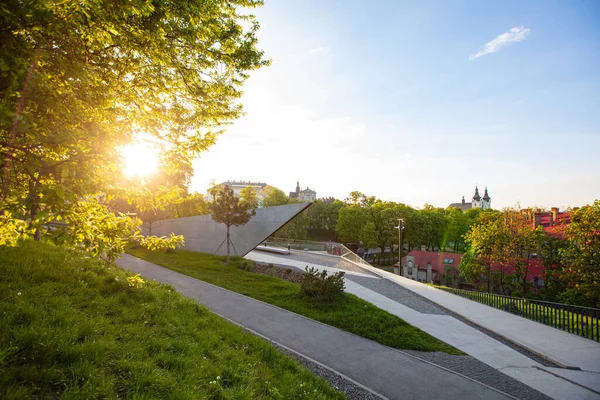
(477, 201)
(443, 267)
(553, 222)
(431, 266)
(303, 195)
(327, 200)
(238, 186)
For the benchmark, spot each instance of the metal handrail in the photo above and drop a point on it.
(579, 320)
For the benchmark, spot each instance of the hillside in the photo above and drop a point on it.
(71, 327)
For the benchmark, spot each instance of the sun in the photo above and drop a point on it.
(140, 160)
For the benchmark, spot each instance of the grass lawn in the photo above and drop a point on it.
(71, 327)
(348, 313)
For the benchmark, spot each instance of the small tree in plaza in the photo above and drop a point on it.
(227, 209)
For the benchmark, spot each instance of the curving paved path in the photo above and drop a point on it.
(417, 310)
(390, 373)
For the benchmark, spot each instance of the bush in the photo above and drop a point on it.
(318, 284)
(246, 265)
(166, 244)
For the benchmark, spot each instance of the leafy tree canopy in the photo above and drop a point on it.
(274, 197)
(582, 255)
(79, 79)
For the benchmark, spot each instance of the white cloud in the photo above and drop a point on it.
(319, 49)
(516, 34)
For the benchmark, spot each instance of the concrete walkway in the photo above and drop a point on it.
(390, 373)
(478, 344)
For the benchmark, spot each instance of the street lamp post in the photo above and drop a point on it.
(400, 227)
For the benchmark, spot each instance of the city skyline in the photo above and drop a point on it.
(417, 103)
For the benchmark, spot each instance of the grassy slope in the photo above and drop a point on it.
(71, 327)
(350, 313)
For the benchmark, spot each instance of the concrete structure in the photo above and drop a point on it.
(303, 195)
(204, 235)
(477, 201)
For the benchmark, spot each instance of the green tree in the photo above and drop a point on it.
(458, 226)
(552, 253)
(323, 219)
(79, 79)
(368, 235)
(357, 198)
(274, 197)
(154, 205)
(297, 228)
(582, 256)
(485, 242)
(249, 196)
(226, 208)
(505, 244)
(430, 225)
(191, 205)
(411, 227)
(383, 216)
(350, 223)
(523, 243)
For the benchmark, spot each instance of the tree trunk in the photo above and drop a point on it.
(502, 282)
(34, 210)
(228, 242)
(524, 277)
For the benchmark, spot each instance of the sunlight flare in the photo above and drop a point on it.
(139, 159)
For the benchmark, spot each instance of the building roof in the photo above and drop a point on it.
(486, 196)
(476, 196)
(244, 183)
(308, 191)
(462, 206)
(554, 227)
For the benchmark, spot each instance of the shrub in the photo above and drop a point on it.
(246, 265)
(135, 281)
(318, 284)
(166, 244)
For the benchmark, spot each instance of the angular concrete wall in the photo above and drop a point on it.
(204, 235)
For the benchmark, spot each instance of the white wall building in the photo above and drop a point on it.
(477, 201)
(238, 186)
(303, 195)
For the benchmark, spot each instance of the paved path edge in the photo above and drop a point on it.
(567, 379)
(452, 312)
(324, 324)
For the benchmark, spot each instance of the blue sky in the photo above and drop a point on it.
(387, 98)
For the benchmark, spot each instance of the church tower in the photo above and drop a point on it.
(297, 188)
(486, 202)
(476, 201)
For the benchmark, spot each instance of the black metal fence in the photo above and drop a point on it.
(381, 260)
(582, 321)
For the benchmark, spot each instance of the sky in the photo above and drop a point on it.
(417, 102)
